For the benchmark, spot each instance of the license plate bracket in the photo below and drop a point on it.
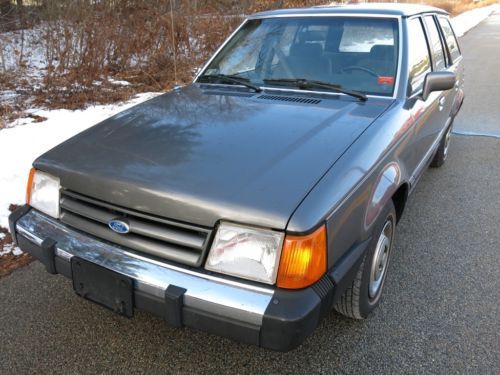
(103, 286)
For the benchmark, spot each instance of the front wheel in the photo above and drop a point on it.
(366, 289)
(442, 151)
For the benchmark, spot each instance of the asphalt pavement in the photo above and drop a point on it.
(439, 313)
(481, 51)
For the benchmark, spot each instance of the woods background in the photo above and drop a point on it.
(62, 54)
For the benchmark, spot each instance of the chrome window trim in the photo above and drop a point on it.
(431, 59)
(396, 90)
(332, 13)
(416, 94)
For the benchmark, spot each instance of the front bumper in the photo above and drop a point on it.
(268, 317)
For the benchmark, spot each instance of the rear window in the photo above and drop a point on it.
(451, 41)
(361, 36)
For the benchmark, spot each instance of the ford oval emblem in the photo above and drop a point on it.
(119, 226)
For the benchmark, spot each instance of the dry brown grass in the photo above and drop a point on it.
(86, 43)
(9, 262)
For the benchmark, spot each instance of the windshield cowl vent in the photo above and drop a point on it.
(290, 99)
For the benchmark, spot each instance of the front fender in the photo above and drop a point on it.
(385, 186)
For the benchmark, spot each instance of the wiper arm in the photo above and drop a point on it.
(305, 84)
(232, 79)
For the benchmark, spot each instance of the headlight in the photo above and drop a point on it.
(43, 192)
(246, 252)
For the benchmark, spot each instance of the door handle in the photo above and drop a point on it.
(442, 100)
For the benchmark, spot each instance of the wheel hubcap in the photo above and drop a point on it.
(380, 259)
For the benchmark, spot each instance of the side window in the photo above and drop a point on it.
(418, 54)
(435, 43)
(362, 35)
(451, 41)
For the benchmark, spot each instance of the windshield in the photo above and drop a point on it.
(355, 53)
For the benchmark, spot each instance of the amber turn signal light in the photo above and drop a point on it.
(303, 260)
(29, 186)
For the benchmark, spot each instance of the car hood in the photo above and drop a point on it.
(203, 153)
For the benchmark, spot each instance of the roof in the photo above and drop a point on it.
(390, 9)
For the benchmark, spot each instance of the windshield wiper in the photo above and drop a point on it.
(305, 84)
(232, 79)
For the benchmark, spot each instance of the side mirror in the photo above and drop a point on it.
(438, 81)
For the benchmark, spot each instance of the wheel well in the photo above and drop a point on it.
(399, 200)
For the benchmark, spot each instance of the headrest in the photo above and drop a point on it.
(310, 50)
(382, 52)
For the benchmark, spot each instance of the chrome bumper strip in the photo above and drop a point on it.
(226, 298)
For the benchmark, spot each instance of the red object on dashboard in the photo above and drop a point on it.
(382, 80)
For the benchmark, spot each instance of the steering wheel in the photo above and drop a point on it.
(362, 68)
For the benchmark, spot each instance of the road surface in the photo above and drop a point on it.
(439, 314)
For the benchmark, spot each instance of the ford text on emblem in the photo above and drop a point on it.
(119, 226)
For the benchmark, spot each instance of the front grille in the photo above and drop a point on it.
(148, 234)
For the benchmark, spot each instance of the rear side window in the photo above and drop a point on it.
(451, 41)
(418, 54)
(435, 43)
(362, 35)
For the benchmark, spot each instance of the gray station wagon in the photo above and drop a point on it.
(255, 200)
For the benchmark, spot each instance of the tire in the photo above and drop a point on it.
(364, 294)
(442, 151)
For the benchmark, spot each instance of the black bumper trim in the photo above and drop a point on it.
(174, 297)
(345, 271)
(14, 217)
(290, 318)
(48, 255)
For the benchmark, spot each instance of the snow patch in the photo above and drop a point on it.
(25, 140)
(11, 248)
(30, 42)
(118, 82)
(16, 251)
(467, 20)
